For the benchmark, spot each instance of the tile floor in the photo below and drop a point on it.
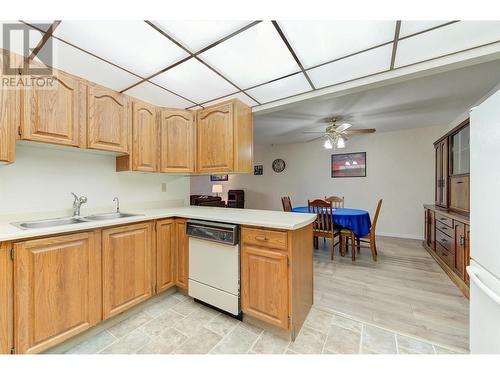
(175, 324)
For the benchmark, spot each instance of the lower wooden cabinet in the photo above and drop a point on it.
(6, 310)
(127, 253)
(264, 284)
(57, 290)
(182, 254)
(165, 255)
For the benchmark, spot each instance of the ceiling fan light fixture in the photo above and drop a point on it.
(328, 144)
(340, 143)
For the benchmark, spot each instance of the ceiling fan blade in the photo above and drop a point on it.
(311, 132)
(360, 131)
(343, 127)
(314, 139)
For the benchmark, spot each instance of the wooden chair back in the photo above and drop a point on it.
(375, 219)
(287, 204)
(324, 212)
(336, 201)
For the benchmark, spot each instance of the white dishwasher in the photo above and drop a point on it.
(214, 264)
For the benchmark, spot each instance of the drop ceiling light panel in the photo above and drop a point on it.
(241, 96)
(81, 64)
(196, 35)
(133, 45)
(153, 94)
(282, 88)
(357, 66)
(16, 37)
(194, 81)
(445, 40)
(252, 57)
(412, 27)
(316, 42)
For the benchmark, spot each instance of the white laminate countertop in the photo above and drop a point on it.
(261, 218)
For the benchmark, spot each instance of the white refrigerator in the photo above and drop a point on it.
(484, 270)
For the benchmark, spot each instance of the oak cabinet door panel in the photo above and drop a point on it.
(144, 138)
(127, 267)
(9, 119)
(165, 254)
(57, 289)
(182, 254)
(177, 137)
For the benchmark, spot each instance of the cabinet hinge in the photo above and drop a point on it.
(12, 253)
(13, 350)
(289, 321)
(288, 261)
(19, 130)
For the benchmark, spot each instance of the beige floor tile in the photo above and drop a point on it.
(343, 341)
(251, 327)
(194, 321)
(408, 345)
(94, 344)
(346, 323)
(319, 319)
(378, 340)
(126, 326)
(269, 343)
(161, 305)
(309, 341)
(186, 307)
(200, 343)
(238, 341)
(441, 350)
(156, 326)
(222, 324)
(164, 343)
(128, 344)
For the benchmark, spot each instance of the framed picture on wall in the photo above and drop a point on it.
(258, 170)
(221, 177)
(349, 165)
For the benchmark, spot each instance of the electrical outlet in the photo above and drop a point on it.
(163, 187)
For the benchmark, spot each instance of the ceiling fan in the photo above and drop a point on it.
(336, 135)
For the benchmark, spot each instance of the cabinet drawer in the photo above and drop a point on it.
(441, 219)
(445, 255)
(450, 231)
(444, 240)
(264, 238)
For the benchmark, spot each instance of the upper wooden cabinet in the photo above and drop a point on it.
(225, 138)
(108, 123)
(57, 291)
(55, 114)
(9, 119)
(177, 141)
(128, 259)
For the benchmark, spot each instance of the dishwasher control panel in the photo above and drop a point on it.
(213, 231)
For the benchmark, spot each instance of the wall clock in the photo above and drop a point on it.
(279, 165)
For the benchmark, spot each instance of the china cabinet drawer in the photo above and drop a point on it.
(441, 219)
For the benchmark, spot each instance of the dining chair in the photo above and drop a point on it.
(347, 235)
(323, 225)
(336, 201)
(287, 204)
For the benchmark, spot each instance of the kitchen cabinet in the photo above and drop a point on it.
(182, 254)
(225, 138)
(430, 230)
(55, 115)
(108, 123)
(57, 289)
(277, 276)
(6, 305)
(144, 155)
(177, 141)
(128, 254)
(9, 119)
(165, 254)
(441, 183)
(460, 263)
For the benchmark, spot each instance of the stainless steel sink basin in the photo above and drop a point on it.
(47, 223)
(109, 216)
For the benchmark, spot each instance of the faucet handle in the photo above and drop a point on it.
(76, 196)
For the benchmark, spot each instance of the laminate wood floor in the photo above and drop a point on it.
(405, 291)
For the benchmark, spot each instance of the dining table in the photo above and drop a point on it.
(354, 219)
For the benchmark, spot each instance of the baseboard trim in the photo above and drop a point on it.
(399, 235)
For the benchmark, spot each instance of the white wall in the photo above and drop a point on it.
(42, 178)
(400, 169)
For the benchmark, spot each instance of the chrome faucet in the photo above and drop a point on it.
(77, 203)
(117, 201)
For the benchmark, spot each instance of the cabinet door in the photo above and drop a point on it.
(126, 269)
(165, 255)
(54, 115)
(459, 193)
(108, 120)
(459, 266)
(9, 119)
(6, 319)
(441, 182)
(264, 285)
(215, 139)
(182, 254)
(177, 137)
(430, 229)
(467, 251)
(57, 290)
(144, 138)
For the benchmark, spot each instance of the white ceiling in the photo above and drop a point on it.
(433, 100)
(187, 64)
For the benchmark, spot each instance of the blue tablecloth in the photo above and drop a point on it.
(356, 220)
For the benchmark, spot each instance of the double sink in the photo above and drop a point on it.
(49, 223)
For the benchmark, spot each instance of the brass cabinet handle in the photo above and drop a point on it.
(261, 238)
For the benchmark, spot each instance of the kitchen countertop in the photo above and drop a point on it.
(260, 218)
